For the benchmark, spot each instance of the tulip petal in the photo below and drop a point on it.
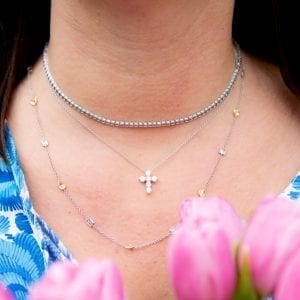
(198, 210)
(272, 237)
(106, 283)
(4, 294)
(92, 279)
(201, 263)
(288, 285)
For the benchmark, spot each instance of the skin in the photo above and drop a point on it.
(149, 60)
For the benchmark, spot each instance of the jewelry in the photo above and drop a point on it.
(89, 220)
(148, 178)
(138, 123)
(222, 151)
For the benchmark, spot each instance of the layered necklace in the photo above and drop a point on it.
(148, 178)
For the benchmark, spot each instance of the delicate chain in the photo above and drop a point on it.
(160, 162)
(222, 151)
(138, 123)
(88, 220)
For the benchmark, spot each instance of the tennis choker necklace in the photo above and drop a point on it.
(142, 123)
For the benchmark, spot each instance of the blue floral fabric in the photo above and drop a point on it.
(27, 245)
(293, 190)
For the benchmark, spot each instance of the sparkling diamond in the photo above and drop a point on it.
(148, 179)
(236, 113)
(129, 247)
(154, 179)
(142, 179)
(201, 192)
(222, 152)
(34, 101)
(90, 222)
(62, 186)
(44, 143)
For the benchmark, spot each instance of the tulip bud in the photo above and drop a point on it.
(273, 237)
(92, 279)
(288, 285)
(215, 210)
(201, 260)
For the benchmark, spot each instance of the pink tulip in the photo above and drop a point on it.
(288, 285)
(198, 210)
(272, 238)
(4, 294)
(92, 279)
(201, 259)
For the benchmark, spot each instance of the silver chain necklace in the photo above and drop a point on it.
(148, 179)
(139, 123)
(88, 219)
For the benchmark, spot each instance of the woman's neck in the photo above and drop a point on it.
(140, 59)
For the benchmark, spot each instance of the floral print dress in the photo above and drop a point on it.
(27, 245)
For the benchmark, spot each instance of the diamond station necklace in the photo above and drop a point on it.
(86, 217)
(140, 123)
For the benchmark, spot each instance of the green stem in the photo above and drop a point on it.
(245, 289)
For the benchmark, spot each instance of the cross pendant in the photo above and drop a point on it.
(148, 179)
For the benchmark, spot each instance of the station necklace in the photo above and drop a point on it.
(88, 219)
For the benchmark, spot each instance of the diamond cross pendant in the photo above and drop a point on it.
(148, 179)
